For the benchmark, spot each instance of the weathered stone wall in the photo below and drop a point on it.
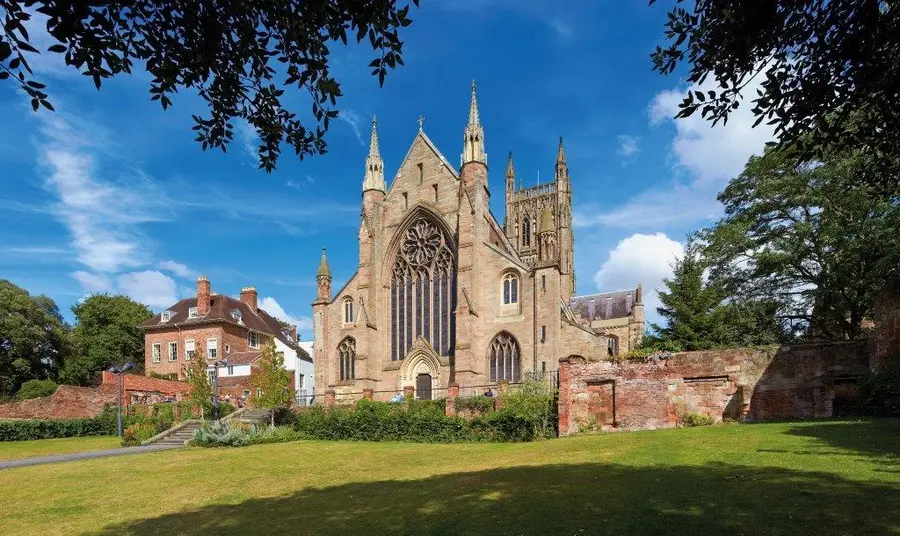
(790, 382)
(71, 402)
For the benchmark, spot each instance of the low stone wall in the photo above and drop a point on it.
(68, 402)
(788, 382)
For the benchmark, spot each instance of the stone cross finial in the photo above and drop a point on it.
(421, 122)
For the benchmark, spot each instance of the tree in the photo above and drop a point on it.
(34, 339)
(701, 314)
(201, 391)
(829, 72)
(106, 333)
(810, 237)
(271, 381)
(238, 56)
(36, 389)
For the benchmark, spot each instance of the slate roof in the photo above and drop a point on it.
(220, 308)
(605, 305)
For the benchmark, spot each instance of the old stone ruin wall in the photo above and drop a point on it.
(788, 382)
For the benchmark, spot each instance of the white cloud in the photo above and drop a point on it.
(249, 141)
(93, 283)
(628, 148)
(354, 121)
(149, 287)
(177, 268)
(271, 306)
(644, 259)
(562, 29)
(301, 184)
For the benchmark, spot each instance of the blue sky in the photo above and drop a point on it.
(111, 194)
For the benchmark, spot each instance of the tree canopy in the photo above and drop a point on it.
(828, 72)
(809, 236)
(271, 380)
(239, 57)
(34, 339)
(105, 334)
(198, 378)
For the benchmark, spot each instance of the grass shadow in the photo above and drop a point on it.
(876, 438)
(583, 499)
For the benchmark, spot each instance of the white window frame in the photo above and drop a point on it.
(172, 347)
(230, 370)
(513, 281)
(156, 353)
(348, 311)
(250, 336)
(212, 348)
(193, 312)
(165, 316)
(190, 349)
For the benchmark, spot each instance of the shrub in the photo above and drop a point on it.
(136, 434)
(476, 404)
(879, 394)
(49, 429)
(535, 403)
(36, 389)
(219, 434)
(696, 419)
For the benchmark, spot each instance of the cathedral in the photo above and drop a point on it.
(446, 294)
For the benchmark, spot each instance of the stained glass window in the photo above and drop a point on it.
(504, 358)
(347, 354)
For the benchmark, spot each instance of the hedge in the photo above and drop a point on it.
(49, 429)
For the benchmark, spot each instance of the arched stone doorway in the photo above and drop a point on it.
(421, 370)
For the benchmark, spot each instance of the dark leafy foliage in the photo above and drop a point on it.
(829, 72)
(36, 389)
(240, 57)
(23, 430)
(879, 394)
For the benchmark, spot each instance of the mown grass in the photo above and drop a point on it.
(769, 479)
(15, 450)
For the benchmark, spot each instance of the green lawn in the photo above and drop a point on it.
(14, 450)
(820, 478)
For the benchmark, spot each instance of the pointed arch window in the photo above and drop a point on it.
(423, 288)
(348, 311)
(347, 358)
(510, 289)
(526, 231)
(504, 358)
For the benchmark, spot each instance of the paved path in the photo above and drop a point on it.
(84, 455)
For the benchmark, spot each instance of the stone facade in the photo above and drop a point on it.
(443, 292)
(790, 382)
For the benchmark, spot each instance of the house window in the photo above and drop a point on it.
(165, 316)
(347, 353)
(211, 375)
(230, 370)
(193, 313)
(503, 358)
(258, 392)
(510, 289)
(189, 349)
(212, 348)
(156, 353)
(246, 392)
(300, 380)
(227, 348)
(348, 310)
(543, 333)
(173, 351)
(253, 339)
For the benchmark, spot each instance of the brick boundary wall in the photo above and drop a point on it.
(788, 382)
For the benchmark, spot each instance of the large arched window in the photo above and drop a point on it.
(347, 357)
(510, 289)
(504, 358)
(423, 290)
(526, 231)
(348, 311)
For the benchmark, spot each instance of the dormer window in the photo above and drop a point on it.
(193, 313)
(165, 316)
(237, 316)
(253, 339)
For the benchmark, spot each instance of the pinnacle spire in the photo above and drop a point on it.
(374, 177)
(473, 108)
(324, 270)
(510, 169)
(473, 137)
(561, 153)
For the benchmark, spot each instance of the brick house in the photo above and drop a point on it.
(222, 329)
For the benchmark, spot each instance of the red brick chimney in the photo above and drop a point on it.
(248, 296)
(203, 294)
(293, 334)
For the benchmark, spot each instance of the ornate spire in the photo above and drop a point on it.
(473, 137)
(562, 169)
(561, 153)
(324, 270)
(510, 169)
(374, 178)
